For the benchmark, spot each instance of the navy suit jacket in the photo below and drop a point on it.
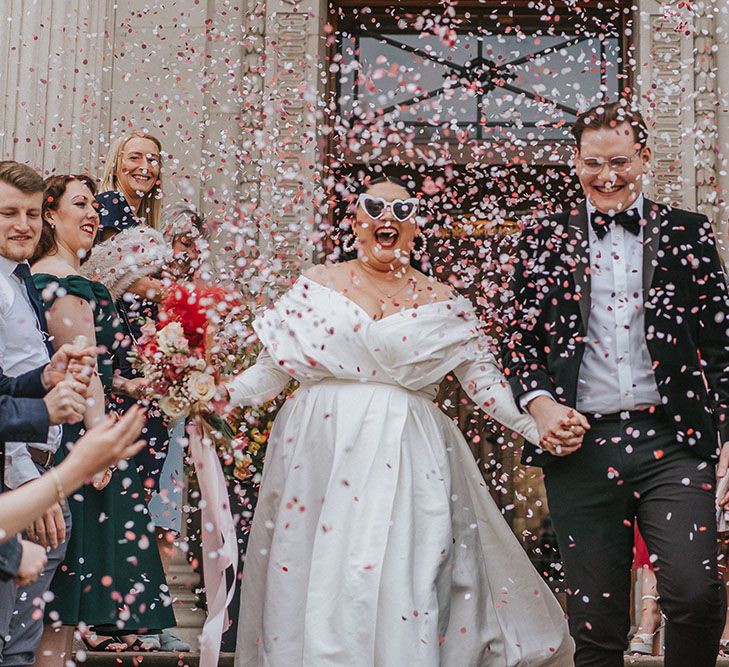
(23, 416)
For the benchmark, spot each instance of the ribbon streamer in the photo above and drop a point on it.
(219, 539)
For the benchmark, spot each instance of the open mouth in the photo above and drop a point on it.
(88, 228)
(387, 236)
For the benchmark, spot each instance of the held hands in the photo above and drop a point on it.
(69, 362)
(561, 428)
(65, 403)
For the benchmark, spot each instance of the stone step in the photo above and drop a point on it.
(157, 659)
(226, 660)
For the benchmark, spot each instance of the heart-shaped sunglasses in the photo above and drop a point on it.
(402, 209)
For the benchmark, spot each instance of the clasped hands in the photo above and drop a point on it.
(561, 428)
(66, 379)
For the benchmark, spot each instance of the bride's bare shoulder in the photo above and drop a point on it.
(326, 274)
(436, 290)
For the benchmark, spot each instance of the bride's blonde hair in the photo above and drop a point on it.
(151, 205)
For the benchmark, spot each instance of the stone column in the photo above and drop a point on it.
(665, 81)
(292, 87)
(721, 16)
(53, 55)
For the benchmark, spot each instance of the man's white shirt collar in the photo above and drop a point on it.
(7, 266)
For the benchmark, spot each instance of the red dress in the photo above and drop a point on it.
(640, 552)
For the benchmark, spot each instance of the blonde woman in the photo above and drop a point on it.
(132, 254)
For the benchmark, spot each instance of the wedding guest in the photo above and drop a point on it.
(620, 311)
(27, 409)
(130, 198)
(106, 560)
(184, 231)
(645, 641)
(23, 348)
(130, 202)
(110, 441)
(29, 404)
(375, 539)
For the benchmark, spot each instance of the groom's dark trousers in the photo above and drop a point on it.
(632, 466)
(654, 466)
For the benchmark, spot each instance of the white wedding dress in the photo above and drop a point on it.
(375, 541)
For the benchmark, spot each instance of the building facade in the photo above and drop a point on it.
(253, 100)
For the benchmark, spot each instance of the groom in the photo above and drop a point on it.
(621, 313)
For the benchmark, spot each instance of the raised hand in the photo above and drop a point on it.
(50, 529)
(107, 443)
(561, 428)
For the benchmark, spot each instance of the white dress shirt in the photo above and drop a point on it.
(616, 372)
(22, 349)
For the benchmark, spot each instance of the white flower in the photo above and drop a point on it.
(174, 408)
(201, 386)
(172, 338)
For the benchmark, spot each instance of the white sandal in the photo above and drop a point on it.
(647, 643)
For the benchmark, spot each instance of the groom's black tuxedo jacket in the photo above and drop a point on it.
(686, 319)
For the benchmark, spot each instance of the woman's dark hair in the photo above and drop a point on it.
(370, 183)
(54, 188)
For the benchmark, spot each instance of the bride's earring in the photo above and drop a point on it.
(418, 246)
(349, 243)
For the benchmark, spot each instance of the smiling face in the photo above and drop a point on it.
(20, 222)
(75, 218)
(385, 242)
(609, 190)
(138, 167)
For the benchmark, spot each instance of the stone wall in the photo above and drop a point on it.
(681, 63)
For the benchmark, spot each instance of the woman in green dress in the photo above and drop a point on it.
(111, 582)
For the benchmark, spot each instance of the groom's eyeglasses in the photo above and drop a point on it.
(619, 164)
(402, 209)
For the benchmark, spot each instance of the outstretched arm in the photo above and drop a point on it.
(105, 444)
(258, 384)
(484, 382)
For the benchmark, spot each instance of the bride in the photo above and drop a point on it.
(375, 540)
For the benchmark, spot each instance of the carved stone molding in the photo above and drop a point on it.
(665, 84)
(289, 175)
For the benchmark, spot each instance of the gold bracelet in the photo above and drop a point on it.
(59, 487)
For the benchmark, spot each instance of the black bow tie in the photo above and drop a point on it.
(629, 219)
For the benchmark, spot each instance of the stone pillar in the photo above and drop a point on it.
(665, 80)
(721, 16)
(292, 87)
(52, 84)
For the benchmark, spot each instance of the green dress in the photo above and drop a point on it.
(112, 577)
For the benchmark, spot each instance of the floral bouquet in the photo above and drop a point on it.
(176, 355)
(183, 358)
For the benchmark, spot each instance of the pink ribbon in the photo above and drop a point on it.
(219, 539)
